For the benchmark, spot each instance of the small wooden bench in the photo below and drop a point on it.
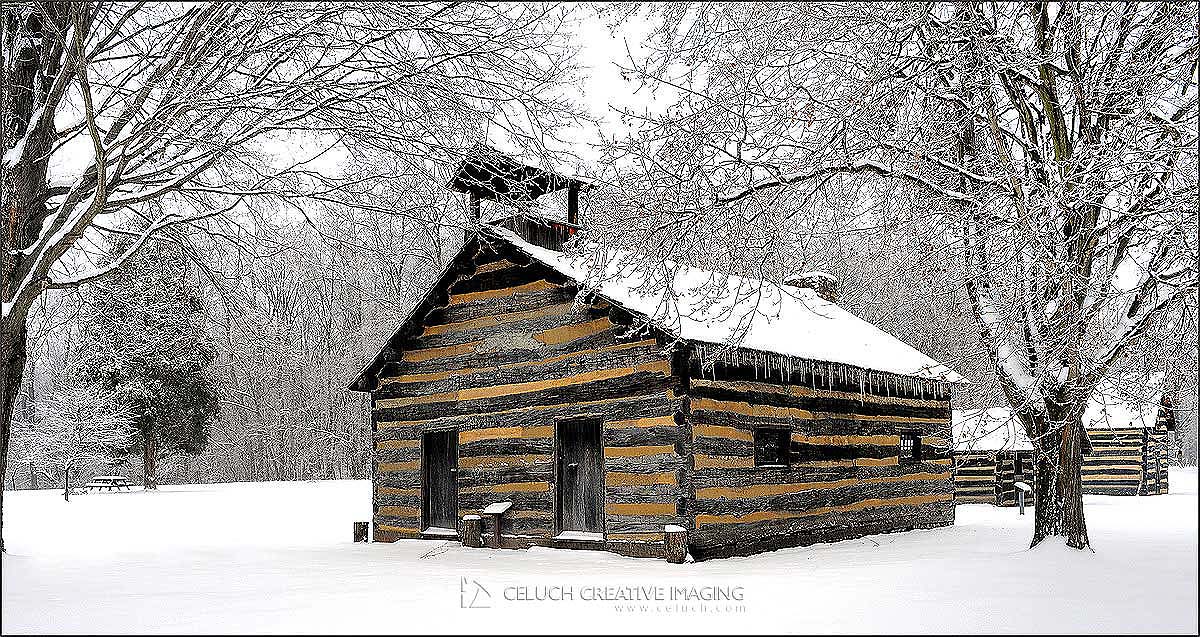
(108, 483)
(495, 511)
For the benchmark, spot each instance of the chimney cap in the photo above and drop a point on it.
(823, 283)
(491, 174)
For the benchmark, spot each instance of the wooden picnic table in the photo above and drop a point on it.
(110, 483)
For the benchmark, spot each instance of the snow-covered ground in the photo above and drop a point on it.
(276, 557)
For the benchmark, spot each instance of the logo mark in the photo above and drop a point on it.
(472, 594)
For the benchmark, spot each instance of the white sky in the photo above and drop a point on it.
(602, 86)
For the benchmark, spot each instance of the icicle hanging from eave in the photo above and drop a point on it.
(832, 376)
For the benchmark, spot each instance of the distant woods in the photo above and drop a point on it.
(230, 365)
(285, 148)
(138, 354)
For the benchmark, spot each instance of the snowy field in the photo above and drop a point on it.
(276, 557)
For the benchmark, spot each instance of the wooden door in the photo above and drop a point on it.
(1156, 468)
(439, 469)
(580, 476)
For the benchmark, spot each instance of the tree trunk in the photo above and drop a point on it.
(22, 190)
(30, 414)
(67, 485)
(12, 344)
(149, 458)
(1058, 511)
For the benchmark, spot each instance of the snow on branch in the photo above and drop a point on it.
(857, 167)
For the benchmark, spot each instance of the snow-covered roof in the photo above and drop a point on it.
(707, 307)
(1110, 408)
(988, 430)
(996, 429)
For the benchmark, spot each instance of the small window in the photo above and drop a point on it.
(771, 445)
(1017, 468)
(910, 448)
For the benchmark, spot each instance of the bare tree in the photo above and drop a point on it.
(135, 118)
(1046, 152)
(78, 428)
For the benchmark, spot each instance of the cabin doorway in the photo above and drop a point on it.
(1155, 467)
(439, 470)
(580, 493)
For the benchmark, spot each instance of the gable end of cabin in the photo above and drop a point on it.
(554, 405)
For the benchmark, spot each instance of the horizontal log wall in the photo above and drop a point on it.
(1114, 466)
(503, 358)
(644, 474)
(845, 480)
(975, 478)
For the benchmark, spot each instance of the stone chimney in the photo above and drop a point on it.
(824, 284)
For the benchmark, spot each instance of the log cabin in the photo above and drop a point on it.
(605, 408)
(1127, 452)
(991, 454)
